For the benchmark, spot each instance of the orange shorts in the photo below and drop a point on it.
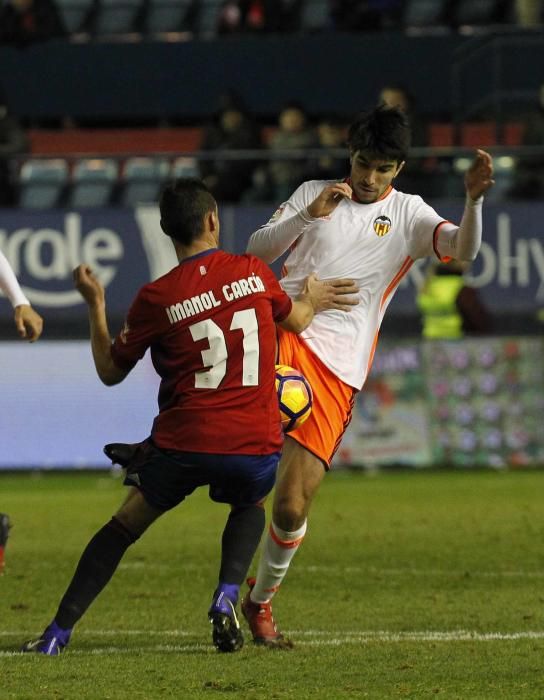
(333, 399)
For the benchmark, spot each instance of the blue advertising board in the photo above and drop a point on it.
(127, 249)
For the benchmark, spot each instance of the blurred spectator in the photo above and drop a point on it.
(365, 15)
(529, 12)
(449, 307)
(395, 95)
(331, 134)
(417, 173)
(529, 177)
(13, 142)
(294, 132)
(232, 129)
(239, 16)
(282, 16)
(24, 22)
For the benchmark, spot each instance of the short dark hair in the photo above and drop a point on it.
(383, 132)
(183, 205)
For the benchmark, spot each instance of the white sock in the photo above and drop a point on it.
(278, 550)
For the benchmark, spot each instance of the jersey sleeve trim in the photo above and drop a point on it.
(446, 258)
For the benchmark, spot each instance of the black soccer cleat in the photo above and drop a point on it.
(52, 642)
(226, 634)
(121, 453)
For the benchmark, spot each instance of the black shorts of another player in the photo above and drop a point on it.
(166, 477)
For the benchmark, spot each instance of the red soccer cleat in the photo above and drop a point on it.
(261, 622)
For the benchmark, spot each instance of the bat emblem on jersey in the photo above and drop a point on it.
(382, 225)
(276, 215)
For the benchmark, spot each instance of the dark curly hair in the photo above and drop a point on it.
(383, 132)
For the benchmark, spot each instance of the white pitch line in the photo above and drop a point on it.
(334, 638)
(420, 572)
(337, 570)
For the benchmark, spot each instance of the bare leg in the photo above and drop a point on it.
(299, 475)
(135, 513)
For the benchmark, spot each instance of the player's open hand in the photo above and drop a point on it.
(479, 177)
(338, 294)
(88, 285)
(29, 323)
(327, 201)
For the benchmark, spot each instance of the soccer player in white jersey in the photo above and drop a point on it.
(29, 324)
(364, 229)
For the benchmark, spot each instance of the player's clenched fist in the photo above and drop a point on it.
(88, 285)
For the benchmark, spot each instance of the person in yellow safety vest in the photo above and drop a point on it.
(449, 308)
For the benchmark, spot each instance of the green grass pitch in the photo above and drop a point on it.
(409, 585)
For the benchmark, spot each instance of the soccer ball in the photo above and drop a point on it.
(294, 397)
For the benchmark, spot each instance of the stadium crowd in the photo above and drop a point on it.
(27, 21)
(260, 159)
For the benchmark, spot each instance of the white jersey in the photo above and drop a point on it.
(373, 244)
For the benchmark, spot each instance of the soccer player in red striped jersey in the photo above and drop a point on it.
(210, 326)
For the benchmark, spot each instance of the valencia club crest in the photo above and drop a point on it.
(382, 225)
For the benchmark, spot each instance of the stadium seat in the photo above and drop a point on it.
(315, 15)
(424, 13)
(143, 179)
(185, 167)
(167, 16)
(116, 16)
(94, 180)
(75, 14)
(479, 134)
(441, 135)
(206, 21)
(512, 133)
(42, 183)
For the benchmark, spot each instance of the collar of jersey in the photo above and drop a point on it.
(199, 255)
(354, 196)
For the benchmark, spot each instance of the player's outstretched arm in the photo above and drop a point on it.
(93, 293)
(28, 322)
(463, 242)
(320, 295)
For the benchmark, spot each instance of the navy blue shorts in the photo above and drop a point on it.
(166, 477)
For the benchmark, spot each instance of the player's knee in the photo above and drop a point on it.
(289, 515)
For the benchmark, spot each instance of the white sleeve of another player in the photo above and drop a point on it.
(9, 284)
(286, 225)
